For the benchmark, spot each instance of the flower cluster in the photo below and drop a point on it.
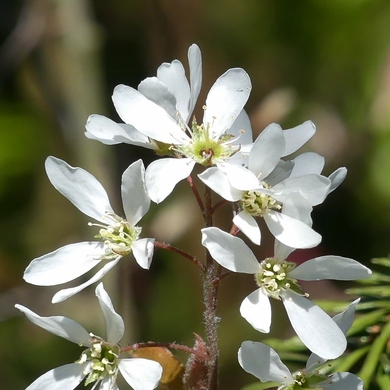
(261, 181)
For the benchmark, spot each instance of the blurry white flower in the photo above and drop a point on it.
(100, 362)
(278, 278)
(119, 236)
(264, 363)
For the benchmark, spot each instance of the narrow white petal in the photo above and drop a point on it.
(242, 130)
(115, 327)
(158, 93)
(281, 251)
(109, 132)
(80, 187)
(58, 325)
(298, 136)
(229, 251)
(342, 381)
(337, 177)
(241, 178)
(141, 374)
(290, 231)
(263, 362)
(60, 378)
(147, 117)
(218, 181)
(195, 64)
(256, 309)
(266, 151)
(248, 225)
(143, 251)
(69, 292)
(298, 207)
(162, 176)
(331, 267)
(64, 264)
(308, 163)
(226, 99)
(314, 327)
(173, 76)
(136, 201)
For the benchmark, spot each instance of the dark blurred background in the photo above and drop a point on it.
(327, 61)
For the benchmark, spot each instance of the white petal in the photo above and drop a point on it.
(314, 327)
(226, 99)
(80, 187)
(147, 117)
(109, 132)
(342, 381)
(298, 136)
(158, 93)
(290, 231)
(229, 251)
(195, 64)
(115, 327)
(331, 267)
(141, 374)
(242, 130)
(337, 177)
(60, 378)
(281, 251)
(298, 207)
(162, 176)
(218, 181)
(263, 362)
(314, 188)
(308, 163)
(248, 225)
(266, 151)
(173, 76)
(256, 309)
(136, 201)
(344, 321)
(69, 292)
(143, 251)
(58, 325)
(64, 264)
(240, 178)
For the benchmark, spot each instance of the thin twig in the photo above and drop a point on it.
(196, 193)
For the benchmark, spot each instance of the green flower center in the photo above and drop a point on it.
(302, 380)
(257, 203)
(102, 358)
(118, 237)
(205, 149)
(273, 277)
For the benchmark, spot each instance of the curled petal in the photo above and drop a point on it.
(256, 309)
(298, 136)
(248, 225)
(143, 251)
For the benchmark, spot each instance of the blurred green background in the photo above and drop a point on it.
(323, 60)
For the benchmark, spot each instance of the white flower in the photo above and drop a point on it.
(277, 278)
(100, 362)
(264, 363)
(119, 236)
(269, 188)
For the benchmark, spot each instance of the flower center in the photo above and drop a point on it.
(102, 358)
(273, 277)
(118, 237)
(205, 149)
(257, 203)
(302, 380)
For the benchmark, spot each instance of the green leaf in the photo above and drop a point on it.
(363, 321)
